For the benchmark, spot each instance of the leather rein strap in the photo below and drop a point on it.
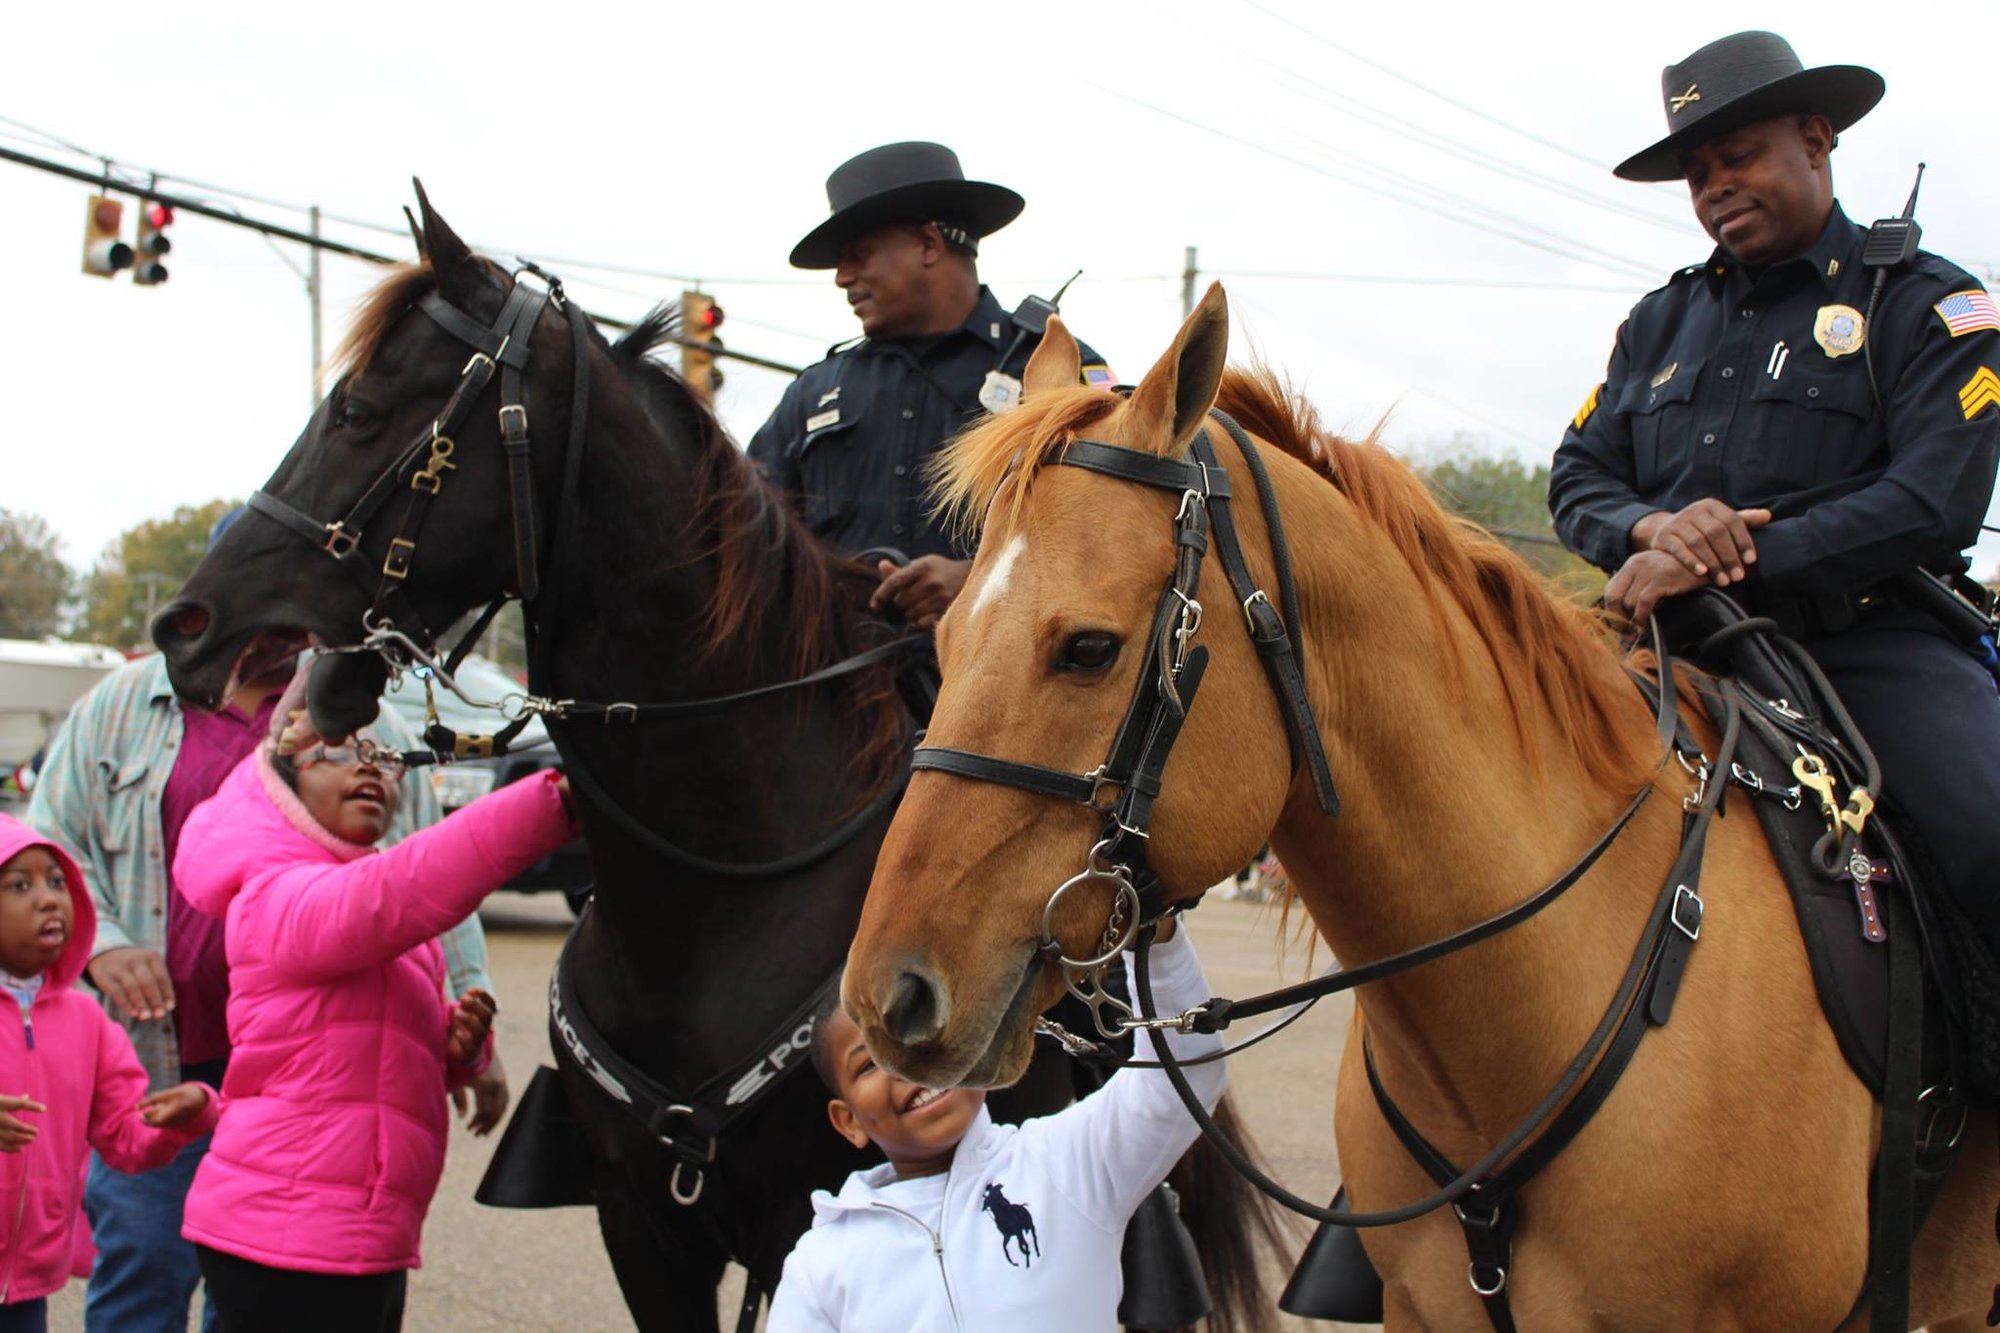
(1124, 787)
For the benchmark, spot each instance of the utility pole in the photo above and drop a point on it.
(312, 298)
(1187, 284)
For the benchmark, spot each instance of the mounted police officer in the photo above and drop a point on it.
(1811, 427)
(851, 436)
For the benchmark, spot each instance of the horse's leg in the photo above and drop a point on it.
(668, 1274)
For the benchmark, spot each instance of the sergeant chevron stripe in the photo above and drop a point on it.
(1981, 391)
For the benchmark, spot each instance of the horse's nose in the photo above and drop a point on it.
(916, 1010)
(180, 625)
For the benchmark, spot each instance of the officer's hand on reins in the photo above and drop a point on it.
(1709, 538)
(921, 590)
(1644, 580)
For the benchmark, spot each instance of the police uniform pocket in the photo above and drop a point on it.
(1810, 425)
(1655, 409)
(827, 469)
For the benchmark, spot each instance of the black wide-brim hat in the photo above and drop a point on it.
(903, 182)
(1740, 80)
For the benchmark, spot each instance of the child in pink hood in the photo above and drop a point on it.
(307, 1210)
(69, 1080)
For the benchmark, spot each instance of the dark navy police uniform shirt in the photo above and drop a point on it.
(1724, 386)
(851, 436)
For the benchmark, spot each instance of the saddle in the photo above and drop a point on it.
(1798, 743)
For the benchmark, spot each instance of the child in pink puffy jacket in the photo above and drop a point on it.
(69, 1080)
(306, 1213)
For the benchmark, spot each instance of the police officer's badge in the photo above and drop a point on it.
(999, 392)
(1839, 329)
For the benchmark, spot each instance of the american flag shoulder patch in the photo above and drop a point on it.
(1968, 312)
(1099, 376)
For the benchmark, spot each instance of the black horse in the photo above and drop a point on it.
(732, 844)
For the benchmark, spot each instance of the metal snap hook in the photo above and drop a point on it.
(686, 1198)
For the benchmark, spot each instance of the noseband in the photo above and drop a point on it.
(1124, 787)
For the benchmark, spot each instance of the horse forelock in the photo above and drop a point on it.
(1550, 653)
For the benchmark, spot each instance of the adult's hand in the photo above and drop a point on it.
(922, 589)
(1643, 580)
(135, 979)
(16, 1134)
(487, 1095)
(1709, 538)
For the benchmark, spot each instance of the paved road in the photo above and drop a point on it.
(491, 1270)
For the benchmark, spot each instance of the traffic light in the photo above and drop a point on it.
(700, 318)
(154, 219)
(103, 253)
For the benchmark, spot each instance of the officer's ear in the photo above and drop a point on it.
(1057, 362)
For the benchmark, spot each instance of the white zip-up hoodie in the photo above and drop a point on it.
(1024, 1231)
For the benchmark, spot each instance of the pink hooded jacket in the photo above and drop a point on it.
(335, 1138)
(67, 1054)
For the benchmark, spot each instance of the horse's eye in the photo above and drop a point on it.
(355, 416)
(1092, 650)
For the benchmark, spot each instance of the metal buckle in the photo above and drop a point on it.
(340, 543)
(1100, 782)
(396, 561)
(686, 1198)
(474, 360)
(1486, 1293)
(620, 713)
(519, 411)
(1189, 499)
(472, 747)
(1685, 895)
(1250, 601)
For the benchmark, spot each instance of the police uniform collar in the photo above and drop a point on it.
(1828, 256)
(988, 322)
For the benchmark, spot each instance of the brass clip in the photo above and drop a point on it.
(473, 747)
(431, 476)
(1860, 805)
(1811, 772)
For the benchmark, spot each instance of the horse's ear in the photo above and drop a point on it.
(1174, 398)
(416, 229)
(1057, 362)
(450, 258)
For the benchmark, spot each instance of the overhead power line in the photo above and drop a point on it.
(203, 208)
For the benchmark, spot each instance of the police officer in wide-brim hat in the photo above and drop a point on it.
(904, 182)
(1740, 80)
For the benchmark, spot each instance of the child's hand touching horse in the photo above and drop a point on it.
(471, 1020)
(170, 1108)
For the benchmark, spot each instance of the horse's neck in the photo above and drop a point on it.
(1445, 821)
(743, 785)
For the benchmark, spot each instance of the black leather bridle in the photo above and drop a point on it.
(1124, 787)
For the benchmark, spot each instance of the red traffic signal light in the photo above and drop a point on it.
(103, 253)
(154, 218)
(700, 317)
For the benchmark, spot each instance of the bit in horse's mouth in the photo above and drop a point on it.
(266, 651)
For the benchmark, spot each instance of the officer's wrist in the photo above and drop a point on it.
(1642, 533)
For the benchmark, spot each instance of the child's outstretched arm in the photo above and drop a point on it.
(1118, 1143)
(135, 1132)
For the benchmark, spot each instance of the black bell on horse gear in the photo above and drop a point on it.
(1334, 1279)
(1164, 1284)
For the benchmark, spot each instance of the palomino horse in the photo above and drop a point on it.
(1483, 734)
(731, 844)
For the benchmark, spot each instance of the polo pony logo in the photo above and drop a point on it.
(1679, 101)
(1017, 1227)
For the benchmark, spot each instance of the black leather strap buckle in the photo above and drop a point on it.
(396, 562)
(1687, 911)
(514, 431)
(340, 543)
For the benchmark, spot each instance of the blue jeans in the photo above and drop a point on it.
(146, 1274)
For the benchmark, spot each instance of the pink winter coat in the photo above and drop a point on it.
(335, 1136)
(67, 1054)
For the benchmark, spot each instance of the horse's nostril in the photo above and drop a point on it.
(191, 622)
(913, 1013)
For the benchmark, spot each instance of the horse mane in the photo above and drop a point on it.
(1549, 651)
(761, 553)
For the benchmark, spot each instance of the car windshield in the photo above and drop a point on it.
(478, 677)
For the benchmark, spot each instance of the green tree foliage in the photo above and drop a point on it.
(1511, 500)
(34, 582)
(142, 570)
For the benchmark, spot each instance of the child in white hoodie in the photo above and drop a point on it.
(975, 1226)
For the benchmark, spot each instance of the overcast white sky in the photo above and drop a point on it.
(1278, 136)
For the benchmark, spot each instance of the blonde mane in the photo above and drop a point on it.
(1550, 652)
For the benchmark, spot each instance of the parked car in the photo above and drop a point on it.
(463, 782)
